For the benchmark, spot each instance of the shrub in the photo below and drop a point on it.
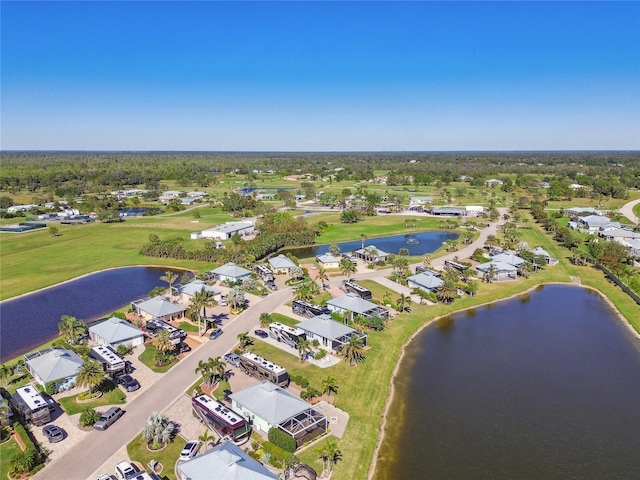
(282, 440)
(51, 388)
(304, 383)
(320, 354)
(89, 417)
(295, 378)
(315, 342)
(124, 349)
(119, 315)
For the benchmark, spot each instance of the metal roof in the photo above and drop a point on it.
(159, 307)
(281, 262)
(198, 286)
(225, 461)
(324, 326)
(327, 258)
(539, 251)
(499, 266)
(425, 280)
(230, 227)
(270, 402)
(509, 258)
(353, 303)
(115, 330)
(231, 270)
(55, 364)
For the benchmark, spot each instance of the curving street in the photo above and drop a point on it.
(627, 211)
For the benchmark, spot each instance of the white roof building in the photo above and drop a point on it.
(225, 461)
(502, 270)
(509, 258)
(229, 272)
(54, 364)
(190, 289)
(116, 331)
(227, 230)
(328, 332)
(281, 263)
(158, 307)
(354, 305)
(424, 281)
(328, 261)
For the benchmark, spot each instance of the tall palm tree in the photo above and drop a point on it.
(371, 253)
(329, 385)
(322, 275)
(169, 277)
(206, 438)
(163, 346)
(218, 367)
(353, 351)
(491, 273)
(200, 301)
(403, 252)
(330, 455)
(6, 372)
(363, 237)
(303, 346)
(204, 369)
(347, 267)
(334, 249)
(426, 260)
(245, 340)
(236, 297)
(70, 327)
(90, 374)
(403, 302)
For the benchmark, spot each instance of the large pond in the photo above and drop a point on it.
(417, 244)
(543, 386)
(30, 320)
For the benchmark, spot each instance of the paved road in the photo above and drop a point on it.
(81, 461)
(627, 211)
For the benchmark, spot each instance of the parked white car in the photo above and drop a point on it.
(190, 449)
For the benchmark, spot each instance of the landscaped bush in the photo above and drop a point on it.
(119, 315)
(124, 349)
(89, 417)
(282, 440)
(315, 342)
(320, 354)
(295, 378)
(51, 388)
(304, 383)
(277, 454)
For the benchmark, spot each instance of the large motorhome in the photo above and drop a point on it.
(175, 334)
(221, 419)
(32, 406)
(352, 287)
(286, 334)
(306, 309)
(263, 369)
(111, 362)
(264, 273)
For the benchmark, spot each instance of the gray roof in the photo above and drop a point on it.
(281, 262)
(353, 303)
(270, 402)
(540, 251)
(230, 227)
(363, 251)
(509, 258)
(325, 327)
(620, 233)
(596, 220)
(450, 210)
(327, 258)
(55, 364)
(159, 307)
(197, 286)
(225, 461)
(115, 330)
(499, 266)
(231, 270)
(426, 280)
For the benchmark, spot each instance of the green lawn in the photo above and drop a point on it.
(168, 456)
(112, 395)
(188, 327)
(379, 291)
(148, 357)
(278, 317)
(6, 450)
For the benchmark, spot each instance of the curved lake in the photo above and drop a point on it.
(31, 320)
(417, 243)
(543, 386)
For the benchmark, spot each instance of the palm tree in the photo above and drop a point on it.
(386, 298)
(90, 374)
(363, 237)
(330, 455)
(265, 319)
(245, 340)
(329, 385)
(347, 267)
(163, 346)
(524, 271)
(218, 367)
(303, 346)
(204, 369)
(446, 292)
(334, 249)
(426, 260)
(158, 430)
(403, 302)
(371, 253)
(353, 351)
(200, 301)
(491, 273)
(236, 298)
(472, 287)
(403, 252)
(70, 327)
(322, 275)
(169, 277)
(206, 438)
(6, 372)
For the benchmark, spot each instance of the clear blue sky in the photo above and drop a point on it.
(320, 76)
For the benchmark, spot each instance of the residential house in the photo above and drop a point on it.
(473, 210)
(492, 182)
(327, 260)
(618, 234)
(227, 230)
(224, 461)
(592, 224)
(425, 281)
(54, 365)
(501, 270)
(269, 406)
(158, 308)
(331, 334)
(371, 254)
(509, 258)
(189, 290)
(540, 252)
(116, 331)
(352, 305)
(229, 272)
(281, 264)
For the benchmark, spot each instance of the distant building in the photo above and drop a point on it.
(188, 291)
(494, 182)
(448, 211)
(352, 305)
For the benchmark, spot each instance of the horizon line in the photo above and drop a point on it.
(321, 151)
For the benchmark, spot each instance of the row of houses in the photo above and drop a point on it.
(610, 231)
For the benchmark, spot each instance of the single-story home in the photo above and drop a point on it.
(269, 406)
(353, 305)
(54, 365)
(425, 281)
(501, 270)
(448, 211)
(189, 290)
(158, 307)
(229, 272)
(633, 244)
(492, 182)
(618, 234)
(371, 254)
(227, 461)
(328, 332)
(327, 260)
(420, 200)
(541, 252)
(227, 230)
(509, 258)
(592, 223)
(281, 264)
(116, 331)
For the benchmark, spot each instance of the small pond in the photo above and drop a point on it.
(30, 320)
(546, 385)
(417, 243)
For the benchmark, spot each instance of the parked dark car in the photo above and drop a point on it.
(129, 383)
(215, 333)
(261, 333)
(182, 348)
(53, 433)
(271, 286)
